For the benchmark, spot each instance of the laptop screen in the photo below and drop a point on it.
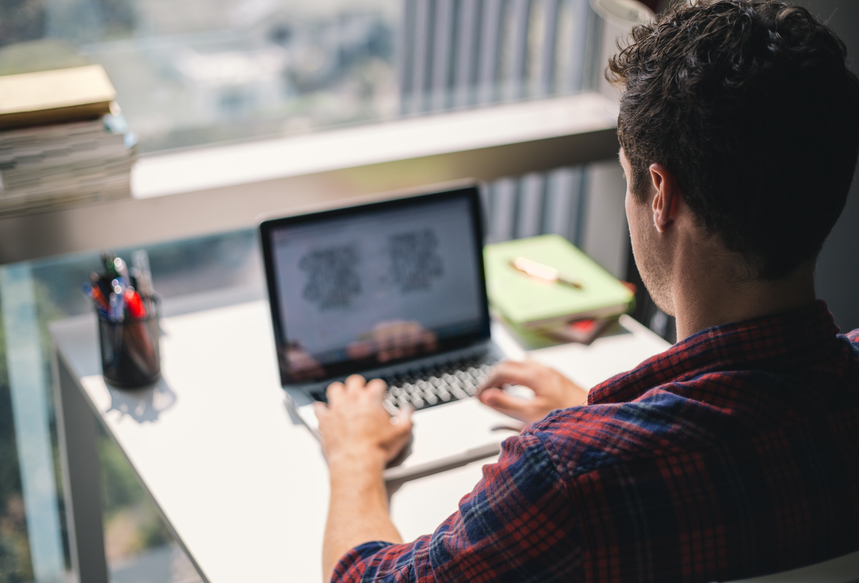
(358, 288)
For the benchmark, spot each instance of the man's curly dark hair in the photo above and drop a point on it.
(750, 105)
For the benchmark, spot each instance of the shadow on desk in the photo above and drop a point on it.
(142, 405)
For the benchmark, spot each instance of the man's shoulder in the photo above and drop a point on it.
(714, 410)
(583, 439)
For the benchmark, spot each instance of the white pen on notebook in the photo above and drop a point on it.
(540, 271)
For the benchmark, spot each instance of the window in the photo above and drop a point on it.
(201, 72)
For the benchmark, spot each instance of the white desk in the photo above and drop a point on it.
(243, 488)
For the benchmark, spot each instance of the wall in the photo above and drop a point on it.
(838, 267)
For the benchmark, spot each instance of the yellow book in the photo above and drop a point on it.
(546, 281)
(59, 96)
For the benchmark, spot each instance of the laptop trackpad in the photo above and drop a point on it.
(447, 436)
(453, 435)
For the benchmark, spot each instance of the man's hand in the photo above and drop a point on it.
(552, 390)
(355, 426)
(359, 438)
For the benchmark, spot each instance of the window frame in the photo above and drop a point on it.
(223, 188)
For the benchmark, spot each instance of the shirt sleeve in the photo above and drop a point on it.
(514, 525)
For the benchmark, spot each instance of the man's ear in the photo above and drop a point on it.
(667, 197)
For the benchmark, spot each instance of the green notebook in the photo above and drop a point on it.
(584, 289)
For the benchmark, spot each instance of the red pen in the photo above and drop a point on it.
(135, 306)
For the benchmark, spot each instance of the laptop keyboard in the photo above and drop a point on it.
(432, 385)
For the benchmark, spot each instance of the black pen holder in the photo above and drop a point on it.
(130, 355)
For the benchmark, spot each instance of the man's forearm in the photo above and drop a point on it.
(358, 511)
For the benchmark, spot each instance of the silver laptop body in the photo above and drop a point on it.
(393, 290)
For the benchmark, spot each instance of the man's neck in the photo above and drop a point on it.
(708, 297)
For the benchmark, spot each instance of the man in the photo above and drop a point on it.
(733, 453)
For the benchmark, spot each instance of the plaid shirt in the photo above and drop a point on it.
(734, 453)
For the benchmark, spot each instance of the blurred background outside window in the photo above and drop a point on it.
(198, 72)
(195, 73)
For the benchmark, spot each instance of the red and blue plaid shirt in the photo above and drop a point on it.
(732, 454)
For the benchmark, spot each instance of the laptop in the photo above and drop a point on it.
(392, 290)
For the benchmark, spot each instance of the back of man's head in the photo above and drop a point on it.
(750, 105)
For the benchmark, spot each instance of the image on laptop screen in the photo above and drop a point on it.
(376, 284)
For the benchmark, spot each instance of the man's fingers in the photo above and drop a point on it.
(401, 432)
(377, 388)
(401, 423)
(355, 382)
(355, 388)
(503, 403)
(403, 417)
(321, 409)
(335, 391)
(512, 372)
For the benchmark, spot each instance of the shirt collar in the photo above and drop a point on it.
(798, 334)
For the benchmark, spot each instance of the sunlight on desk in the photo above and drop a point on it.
(241, 485)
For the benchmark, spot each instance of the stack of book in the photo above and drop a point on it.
(547, 286)
(62, 141)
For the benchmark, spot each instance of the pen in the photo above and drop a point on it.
(93, 292)
(134, 304)
(109, 267)
(121, 268)
(143, 275)
(541, 271)
(117, 299)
